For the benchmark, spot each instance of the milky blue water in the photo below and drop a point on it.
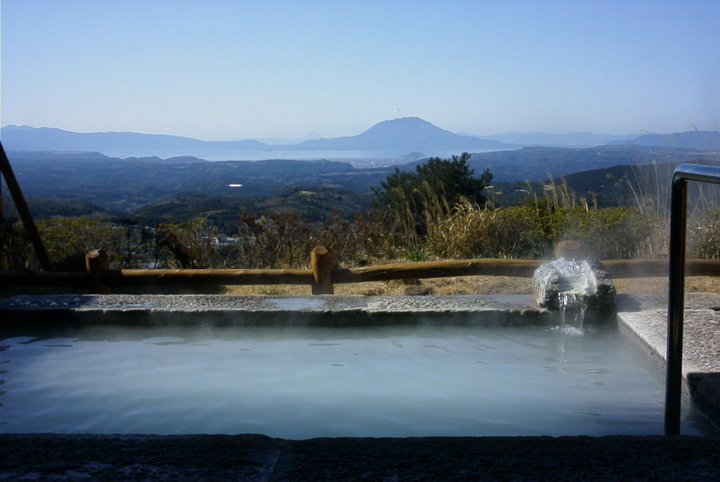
(333, 382)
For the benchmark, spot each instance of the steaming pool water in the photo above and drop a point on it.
(326, 382)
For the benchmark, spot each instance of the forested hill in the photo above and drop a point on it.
(127, 184)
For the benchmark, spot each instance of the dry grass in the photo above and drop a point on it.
(434, 286)
(468, 285)
(461, 285)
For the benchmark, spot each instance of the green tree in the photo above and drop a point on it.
(412, 201)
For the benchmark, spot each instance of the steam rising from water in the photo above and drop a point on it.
(295, 383)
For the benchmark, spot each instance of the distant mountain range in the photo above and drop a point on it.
(404, 135)
(707, 140)
(400, 136)
(572, 139)
(25, 138)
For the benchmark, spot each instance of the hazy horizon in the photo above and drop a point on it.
(311, 135)
(225, 70)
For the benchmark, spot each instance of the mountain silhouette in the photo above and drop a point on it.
(25, 138)
(405, 133)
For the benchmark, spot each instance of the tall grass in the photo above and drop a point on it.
(474, 232)
(650, 188)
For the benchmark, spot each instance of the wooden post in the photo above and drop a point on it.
(321, 266)
(96, 264)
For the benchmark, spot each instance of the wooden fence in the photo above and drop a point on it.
(321, 276)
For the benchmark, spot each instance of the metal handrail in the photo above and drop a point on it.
(676, 293)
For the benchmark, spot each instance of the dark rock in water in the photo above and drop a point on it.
(603, 301)
(585, 282)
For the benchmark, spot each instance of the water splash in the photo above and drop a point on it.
(572, 312)
(566, 285)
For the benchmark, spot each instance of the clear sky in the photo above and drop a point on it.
(216, 69)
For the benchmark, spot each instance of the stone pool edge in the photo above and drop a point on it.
(262, 310)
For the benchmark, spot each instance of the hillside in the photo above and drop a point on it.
(621, 185)
(312, 204)
(42, 208)
(127, 184)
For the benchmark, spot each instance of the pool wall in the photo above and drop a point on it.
(258, 310)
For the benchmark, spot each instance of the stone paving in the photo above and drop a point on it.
(646, 315)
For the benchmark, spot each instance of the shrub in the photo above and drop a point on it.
(276, 240)
(611, 233)
(16, 251)
(186, 245)
(705, 236)
(526, 232)
(67, 240)
(471, 232)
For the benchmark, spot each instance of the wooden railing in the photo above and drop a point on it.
(321, 276)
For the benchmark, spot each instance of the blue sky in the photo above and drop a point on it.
(215, 69)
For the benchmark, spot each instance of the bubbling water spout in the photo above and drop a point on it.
(574, 287)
